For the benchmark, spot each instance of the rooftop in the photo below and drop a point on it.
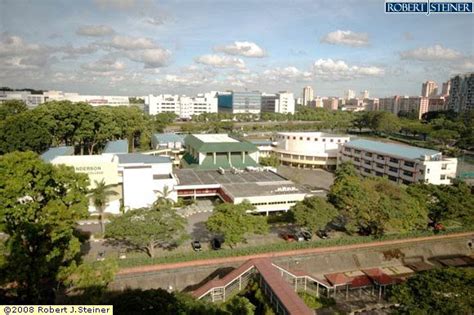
(168, 137)
(246, 184)
(313, 133)
(400, 150)
(52, 153)
(218, 143)
(137, 158)
(117, 146)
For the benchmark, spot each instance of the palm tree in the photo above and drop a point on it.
(100, 197)
(164, 196)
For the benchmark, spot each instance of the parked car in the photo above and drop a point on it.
(288, 237)
(216, 244)
(196, 246)
(307, 235)
(322, 234)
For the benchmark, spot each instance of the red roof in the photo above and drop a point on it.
(378, 276)
(360, 281)
(338, 278)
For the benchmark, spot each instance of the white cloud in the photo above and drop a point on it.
(157, 20)
(245, 49)
(220, 61)
(286, 74)
(115, 4)
(339, 70)
(104, 65)
(151, 58)
(72, 52)
(349, 38)
(95, 30)
(433, 53)
(131, 43)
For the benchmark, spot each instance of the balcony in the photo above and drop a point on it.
(393, 164)
(380, 160)
(379, 169)
(392, 173)
(408, 178)
(408, 168)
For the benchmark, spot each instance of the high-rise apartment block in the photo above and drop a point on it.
(184, 107)
(446, 88)
(308, 95)
(461, 93)
(429, 89)
(281, 102)
(350, 94)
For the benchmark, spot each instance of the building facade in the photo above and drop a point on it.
(240, 102)
(308, 149)
(331, 103)
(308, 95)
(399, 163)
(413, 104)
(429, 89)
(184, 107)
(281, 102)
(446, 88)
(461, 93)
(94, 100)
(31, 100)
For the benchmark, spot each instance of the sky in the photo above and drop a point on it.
(141, 47)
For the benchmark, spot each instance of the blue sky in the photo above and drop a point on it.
(133, 47)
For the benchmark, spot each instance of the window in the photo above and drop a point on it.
(393, 169)
(442, 177)
(301, 138)
(357, 159)
(308, 139)
(379, 174)
(368, 154)
(294, 138)
(315, 139)
(338, 140)
(324, 140)
(393, 160)
(347, 150)
(407, 173)
(366, 170)
(380, 165)
(357, 151)
(380, 157)
(367, 163)
(332, 140)
(444, 166)
(392, 178)
(288, 137)
(427, 171)
(409, 164)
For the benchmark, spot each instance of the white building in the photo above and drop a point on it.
(308, 149)
(400, 163)
(350, 94)
(281, 102)
(308, 95)
(94, 100)
(183, 106)
(31, 100)
(138, 179)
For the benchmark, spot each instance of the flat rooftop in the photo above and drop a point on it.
(246, 184)
(394, 149)
(53, 153)
(117, 146)
(214, 138)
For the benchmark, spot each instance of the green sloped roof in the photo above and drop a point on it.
(221, 161)
(204, 147)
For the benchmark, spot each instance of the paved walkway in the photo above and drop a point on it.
(296, 252)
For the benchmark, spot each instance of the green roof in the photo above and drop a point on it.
(117, 146)
(221, 161)
(234, 146)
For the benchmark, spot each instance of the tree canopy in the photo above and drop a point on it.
(233, 222)
(313, 213)
(148, 228)
(438, 291)
(41, 204)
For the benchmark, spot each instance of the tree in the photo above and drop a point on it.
(91, 279)
(100, 196)
(41, 204)
(313, 213)
(384, 122)
(164, 196)
(445, 136)
(375, 206)
(11, 108)
(146, 229)
(233, 222)
(240, 305)
(438, 291)
(271, 160)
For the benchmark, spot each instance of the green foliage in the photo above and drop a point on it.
(239, 305)
(375, 206)
(147, 228)
(314, 302)
(271, 160)
(41, 204)
(233, 222)
(438, 291)
(91, 279)
(11, 108)
(313, 213)
(446, 202)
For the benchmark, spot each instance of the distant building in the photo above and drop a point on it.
(461, 93)
(349, 94)
(214, 151)
(308, 95)
(308, 149)
(446, 88)
(94, 100)
(281, 102)
(331, 103)
(371, 104)
(168, 144)
(184, 107)
(31, 100)
(429, 89)
(400, 163)
(437, 104)
(354, 105)
(364, 94)
(413, 104)
(265, 147)
(240, 102)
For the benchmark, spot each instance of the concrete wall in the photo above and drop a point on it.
(188, 279)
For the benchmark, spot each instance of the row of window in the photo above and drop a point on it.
(274, 203)
(381, 157)
(306, 157)
(309, 139)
